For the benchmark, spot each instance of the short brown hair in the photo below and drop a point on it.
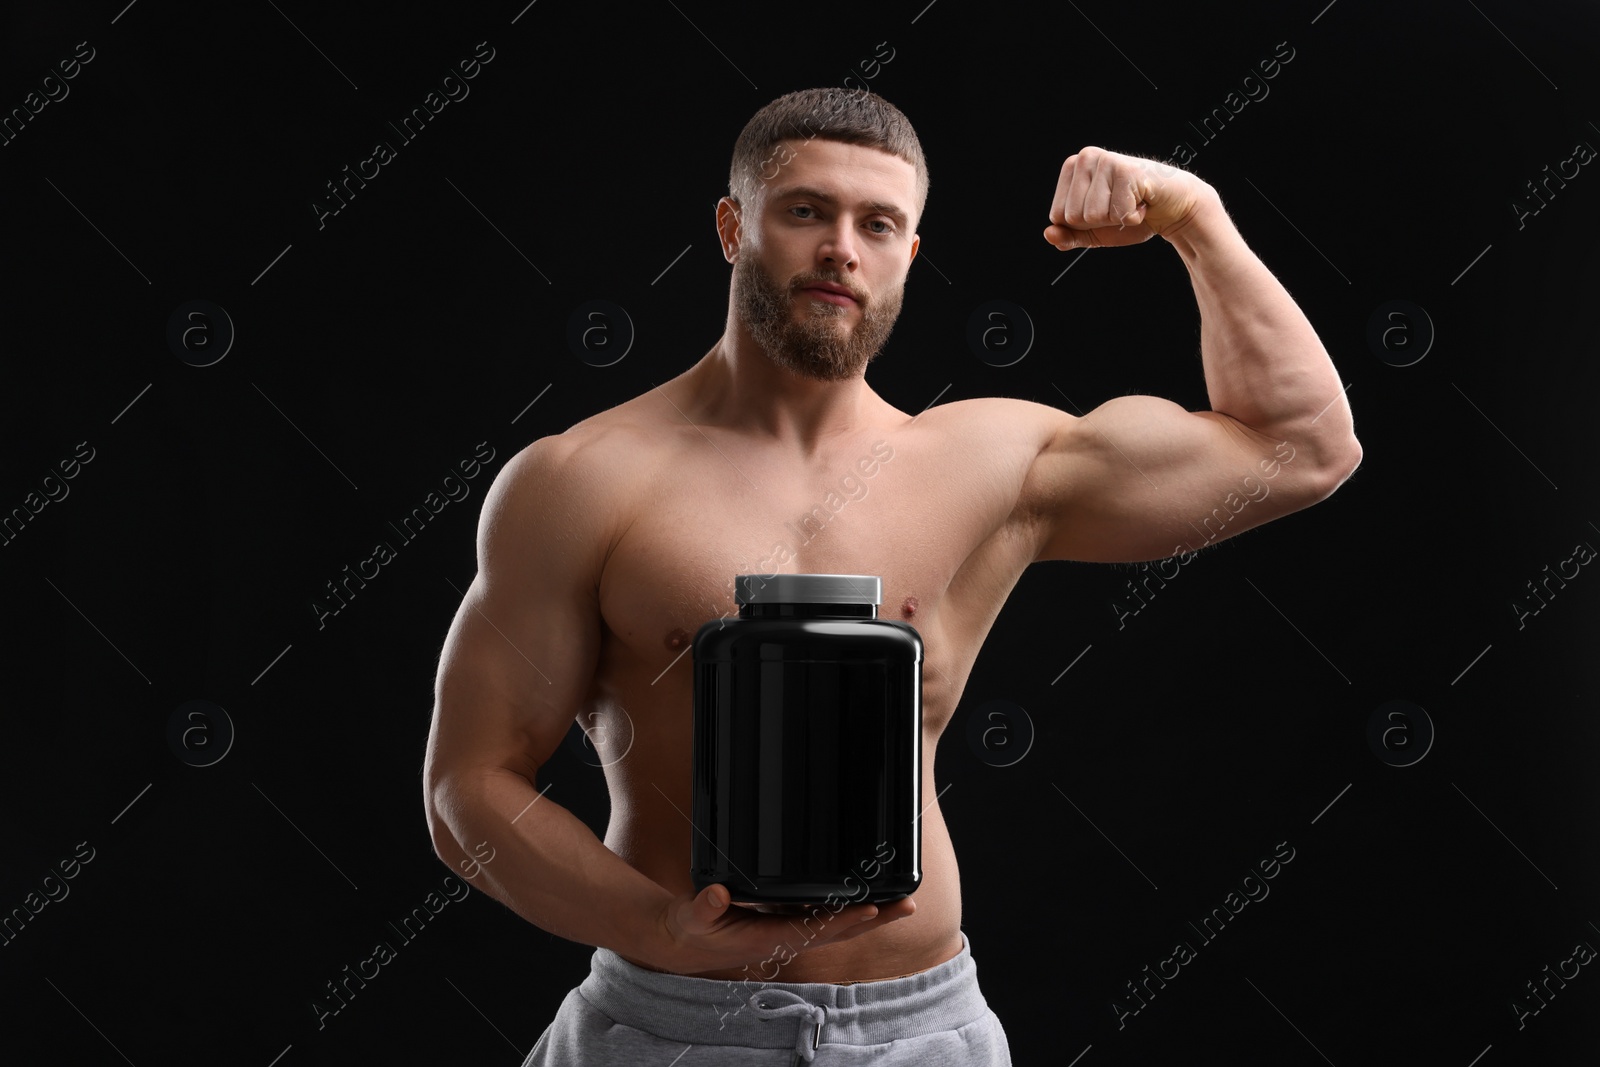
(852, 116)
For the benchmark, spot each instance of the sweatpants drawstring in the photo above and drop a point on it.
(782, 1004)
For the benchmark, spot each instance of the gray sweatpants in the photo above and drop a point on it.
(625, 1016)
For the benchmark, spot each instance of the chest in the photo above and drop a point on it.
(908, 517)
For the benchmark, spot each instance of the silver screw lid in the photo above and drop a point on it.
(807, 589)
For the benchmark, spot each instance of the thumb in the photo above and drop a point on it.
(1067, 239)
(709, 906)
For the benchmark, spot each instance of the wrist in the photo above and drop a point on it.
(1204, 224)
(647, 933)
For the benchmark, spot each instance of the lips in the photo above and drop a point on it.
(831, 292)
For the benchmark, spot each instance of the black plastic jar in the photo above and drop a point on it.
(807, 744)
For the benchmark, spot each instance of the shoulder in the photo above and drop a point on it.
(577, 486)
(595, 455)
(994, 447)
(1015, 429)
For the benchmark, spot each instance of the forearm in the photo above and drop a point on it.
(546, 865)
(1264, 364)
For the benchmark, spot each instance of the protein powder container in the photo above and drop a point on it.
(807, 744)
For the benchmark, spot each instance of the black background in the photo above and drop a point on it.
(375, 352)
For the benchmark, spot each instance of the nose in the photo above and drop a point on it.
(838, 250)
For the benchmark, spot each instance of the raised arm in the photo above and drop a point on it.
(1139, 477)
(517, 664)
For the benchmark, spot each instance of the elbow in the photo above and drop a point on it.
(1339, 465)
(445, 845)
(1350, 459)
(440, 801)
(460, 809)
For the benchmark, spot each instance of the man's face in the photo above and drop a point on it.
(834, 214)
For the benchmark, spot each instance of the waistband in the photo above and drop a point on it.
(798, 1015)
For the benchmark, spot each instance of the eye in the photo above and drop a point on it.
(802, 207)
(888, 227)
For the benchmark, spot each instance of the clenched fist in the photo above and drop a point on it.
(1106, 198)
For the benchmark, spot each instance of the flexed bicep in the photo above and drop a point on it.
(1140, 478)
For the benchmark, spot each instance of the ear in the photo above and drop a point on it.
(916, 243)
(729, 230)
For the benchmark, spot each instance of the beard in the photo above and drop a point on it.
(820, 346)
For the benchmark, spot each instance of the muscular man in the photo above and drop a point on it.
(601, 550)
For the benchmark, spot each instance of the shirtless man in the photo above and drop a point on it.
(601, 550)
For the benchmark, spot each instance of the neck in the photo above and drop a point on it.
(736, 386)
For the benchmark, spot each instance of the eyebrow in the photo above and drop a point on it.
(806, 192)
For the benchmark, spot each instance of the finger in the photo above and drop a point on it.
(1058, 200)
(893, 911)
(869, 916)
(822, 928)
(1098, 196)
(888, 913)
(1123, 195)
(1078, 192)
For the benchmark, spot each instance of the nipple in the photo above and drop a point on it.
(909, 608)
(676, 639)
